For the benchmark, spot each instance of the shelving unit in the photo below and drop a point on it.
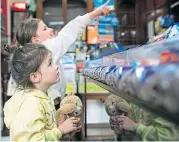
(126, 26)
(126, 31)
(146, 76)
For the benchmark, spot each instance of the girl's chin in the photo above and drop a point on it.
(53, 36)
(57, 80)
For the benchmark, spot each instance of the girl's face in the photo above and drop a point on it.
(43, 32)
(49, 72)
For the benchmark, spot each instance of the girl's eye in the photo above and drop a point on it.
(45, 28)
(50, 63)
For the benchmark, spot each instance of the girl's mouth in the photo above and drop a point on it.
(53, 34)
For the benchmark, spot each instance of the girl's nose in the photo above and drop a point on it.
(51, 30)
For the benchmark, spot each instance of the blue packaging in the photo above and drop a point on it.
(109, 20)
(98, 3)
(105, 30)
(166, 21)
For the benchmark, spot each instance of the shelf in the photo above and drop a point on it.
(174, 117)
(126, 12)
(147, 76)
(121, 40)
(126, 26)
(149, 54)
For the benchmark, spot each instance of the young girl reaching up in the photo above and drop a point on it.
(35, 31)
(29, 114)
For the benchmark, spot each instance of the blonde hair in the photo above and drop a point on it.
(26, 30)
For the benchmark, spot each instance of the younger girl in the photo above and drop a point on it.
(35, 31)
(29, 114)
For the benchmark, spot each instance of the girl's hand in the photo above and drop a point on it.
(79, 125)
(102, 10)
(126, 123)
(156, 38)
(112, 122)
(69, 125)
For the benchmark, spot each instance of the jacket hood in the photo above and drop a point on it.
(13, 105)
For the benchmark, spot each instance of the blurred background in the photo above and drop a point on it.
(131, 23)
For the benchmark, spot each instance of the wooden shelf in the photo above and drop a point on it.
(126, 12)
(126, 26)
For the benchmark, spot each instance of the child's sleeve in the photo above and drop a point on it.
(67, 36)
(160, 130)
(29, 124)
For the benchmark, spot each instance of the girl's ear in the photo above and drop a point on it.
(35, 77)
(35, 40)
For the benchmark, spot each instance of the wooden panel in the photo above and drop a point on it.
(95, 96)
(150, 5)
(90, 5)
(125, 36)
(39, 12)
(5, 74)
(127, 17)
(125, 32)
(153, 17)
(64, 10)
(141, 37)
(4, 15)
(160, 3)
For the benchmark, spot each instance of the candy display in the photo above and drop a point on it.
(151, 84)
(148, 74)
(162, 52)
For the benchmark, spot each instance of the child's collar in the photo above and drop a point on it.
(38, 93)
